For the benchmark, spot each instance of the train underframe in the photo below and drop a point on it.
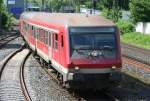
(94, 81)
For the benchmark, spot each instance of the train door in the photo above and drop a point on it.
(62, 53)
(55, 51)
(50, 45)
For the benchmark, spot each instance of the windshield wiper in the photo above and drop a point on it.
(108, 47)
(82, 47)
(105, 47)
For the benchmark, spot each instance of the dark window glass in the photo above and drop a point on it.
(26, 27)
(84, 43)
(46, 37)
(37, 33)
(34, 32)
(49, 38)
(56, 41)
(62, 41)
(32, 28)
(42, 35)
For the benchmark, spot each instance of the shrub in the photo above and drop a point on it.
(125, 26)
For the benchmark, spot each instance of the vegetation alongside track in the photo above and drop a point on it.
(137, 39)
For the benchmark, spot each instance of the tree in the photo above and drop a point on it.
(6, 19)
(112, 8)
(140, 10)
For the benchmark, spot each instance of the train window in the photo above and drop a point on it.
(32, 28)
(37, 33)
(46, 37)
(42, 35)
(56, 41)
(40, 32)
(26, 27)
(23, 26)
(62, 41)
(34, 32)
(49, 38)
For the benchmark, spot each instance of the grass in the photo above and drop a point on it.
(137, 39)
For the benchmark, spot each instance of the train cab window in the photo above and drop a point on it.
(46, 37)
(62, 41)
(56, 41)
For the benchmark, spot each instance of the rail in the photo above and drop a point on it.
(22, 80)
(21, 74)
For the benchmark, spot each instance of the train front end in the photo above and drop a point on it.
(95, 56)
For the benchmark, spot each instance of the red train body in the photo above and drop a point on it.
(82, 48)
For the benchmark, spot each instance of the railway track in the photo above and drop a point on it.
(136, 62)
(22, 80)
(11, 76)
(136, 53)
(137, 68)
(7, 39)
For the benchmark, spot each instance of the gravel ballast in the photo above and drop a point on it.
(41, 87)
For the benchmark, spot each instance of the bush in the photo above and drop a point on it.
(125, 26)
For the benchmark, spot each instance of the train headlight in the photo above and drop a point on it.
(76, 68)
(113, 67)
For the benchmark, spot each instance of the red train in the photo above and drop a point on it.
(83, 49)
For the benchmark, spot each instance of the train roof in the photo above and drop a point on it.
(68, 19)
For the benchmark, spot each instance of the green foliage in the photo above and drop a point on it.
(109, 4)
(89, 4)
(112, 9)
(113, 14)
(138, 39)
(7, 19)
(125, 26)
(140, 10)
